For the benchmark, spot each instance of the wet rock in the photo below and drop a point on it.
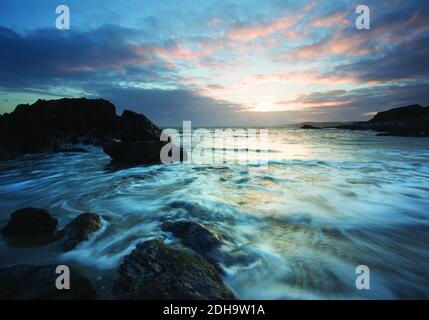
(80, 229)
(143, 152)
(31, 227)
(52, 125)
(147, 152)
(28, 282)
(72, 150)
(156, 271)
(48, 125)
(136, 127)
(193, 235)
(104, 142)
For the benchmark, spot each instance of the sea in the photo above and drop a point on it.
(298, 225)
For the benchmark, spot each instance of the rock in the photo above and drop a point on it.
(74, 150)
(412, 112)
(307, 126)
(156, 271)
(28, 282)
(136, 127)
(53, 125)
(80, 228)
(49, 125)
(143, 152)
(147, 152)
(31, 227)
(193, 235)
(409, 121)
(104, 142)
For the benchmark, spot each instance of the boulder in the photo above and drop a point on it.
(142, 152)
(136, 127)
(71, 150)
(147, 152)
(79, 229)
(29, 282)
(193, 235)
(31, 227)
(156, 271)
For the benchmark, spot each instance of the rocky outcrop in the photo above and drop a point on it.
(141, 152)
(31, 227)
(136, 127)
(56, 125)
(28, 282)
(140, 142)
(307, 126)
(156, 271)
(410, 121)
(79, 229)
(144, 152)
(47, 126)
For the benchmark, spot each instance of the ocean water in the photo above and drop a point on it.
(295, 228)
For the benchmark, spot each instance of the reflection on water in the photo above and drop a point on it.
(327, 201)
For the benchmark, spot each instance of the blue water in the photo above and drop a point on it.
(297, 228)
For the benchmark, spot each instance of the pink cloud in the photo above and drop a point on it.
(339, 44)
(284, 24)
(245, 34)
(301, 77)
(338, 18)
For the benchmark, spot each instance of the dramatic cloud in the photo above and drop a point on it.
(220, 62)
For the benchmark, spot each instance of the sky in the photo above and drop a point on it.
(216, 62)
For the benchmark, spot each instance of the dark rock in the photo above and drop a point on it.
(80, 228)
(30, 227)
(155, 271)
(49, 125)
(143, 152)
(409, 121)
(28, 282)
(412, 112)
(147, 152)
(76, 150)
(307, 126)
(136, 127)
(193, 235)
(140, 142)
(103, 142)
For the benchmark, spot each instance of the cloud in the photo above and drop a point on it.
(171, 107)
(333, 19)
(339, 43)
(187, 64)
(407, 62)
(45, 56)
(346, 105)
(306, 77)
